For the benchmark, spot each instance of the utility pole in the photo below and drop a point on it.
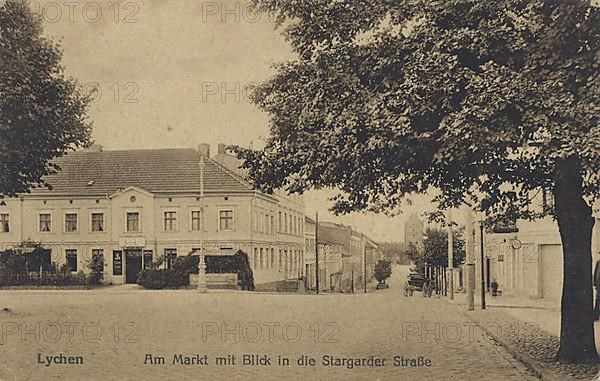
(202, 287)
(482, 267)
(450, 256)
(470, 257)
(365, 264)
(317, 251)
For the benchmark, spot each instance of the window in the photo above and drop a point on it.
(285, 220)
(147, 259)
(272, 225)
(97, 222)
(170, 255)
(4, 223)
(280, 222)
(196, 220)
(266, 224)
(280, 260)
(255, 258)
(98, 260)
(226, 220)
(272, 258)
(71, 222)
(45, 222)
(262, 259)
(170, 221)
(133, 222)
(71, 256)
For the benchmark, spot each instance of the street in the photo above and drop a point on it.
(126, 333)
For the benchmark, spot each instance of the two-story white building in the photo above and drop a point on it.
(133, 207)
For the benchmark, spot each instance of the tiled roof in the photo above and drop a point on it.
(88, 173)
(335, 234)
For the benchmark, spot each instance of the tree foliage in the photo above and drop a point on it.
(383, 270)
(478, 99)
(435, 244)
(42, 113)
(486, 102)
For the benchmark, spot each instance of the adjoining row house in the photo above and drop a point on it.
(133, 207)
(345, 256)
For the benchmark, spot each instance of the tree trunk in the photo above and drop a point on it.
(575, 223)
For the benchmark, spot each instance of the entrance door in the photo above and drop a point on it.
(133, 265)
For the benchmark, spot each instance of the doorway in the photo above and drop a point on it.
(133, 265)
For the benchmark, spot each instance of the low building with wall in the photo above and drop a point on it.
(527, 261)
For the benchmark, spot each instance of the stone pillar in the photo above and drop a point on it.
(201, 273)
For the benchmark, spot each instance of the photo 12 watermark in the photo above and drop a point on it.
(92, 12)
(227, 92)
(235, 12)
(116, 92)
(269, 332)
(68, 332)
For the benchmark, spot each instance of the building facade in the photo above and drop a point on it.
(138, 207)
(527, 259)
(310, 254)
(344, 256)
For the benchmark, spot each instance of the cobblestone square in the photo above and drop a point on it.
(125, 333)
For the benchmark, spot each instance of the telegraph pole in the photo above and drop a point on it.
(450, 257)
(470, 259)
(365, 265)
(482, 267)
(317, 251)
(202, 287)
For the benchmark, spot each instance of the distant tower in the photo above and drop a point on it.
(413, 231)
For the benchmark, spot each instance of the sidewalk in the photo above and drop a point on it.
(543, 313)
(529, 329)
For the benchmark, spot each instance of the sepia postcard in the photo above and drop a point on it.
(299, 190)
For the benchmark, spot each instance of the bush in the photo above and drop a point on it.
(186, 265)
(179, 274)
(236, 264)
(158, 279)
(35, 269)
(245, 274)
(96, 266)
(383, 270)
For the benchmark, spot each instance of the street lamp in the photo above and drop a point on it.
(450, 256)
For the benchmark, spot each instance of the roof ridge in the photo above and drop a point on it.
(236, 176)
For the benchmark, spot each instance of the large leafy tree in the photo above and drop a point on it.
(482, 100)
(42, 113)
(435, 247)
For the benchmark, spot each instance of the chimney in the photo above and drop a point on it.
(204, 149)
(222, 148)
(95, 148)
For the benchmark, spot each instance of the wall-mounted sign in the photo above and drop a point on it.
(117, 262)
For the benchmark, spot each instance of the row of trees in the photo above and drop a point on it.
(434, 253)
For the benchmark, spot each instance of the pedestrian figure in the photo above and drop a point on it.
(597, 287)
(494, 286)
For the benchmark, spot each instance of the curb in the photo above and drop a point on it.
(526, 360)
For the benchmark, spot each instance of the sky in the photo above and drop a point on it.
(173, 73)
